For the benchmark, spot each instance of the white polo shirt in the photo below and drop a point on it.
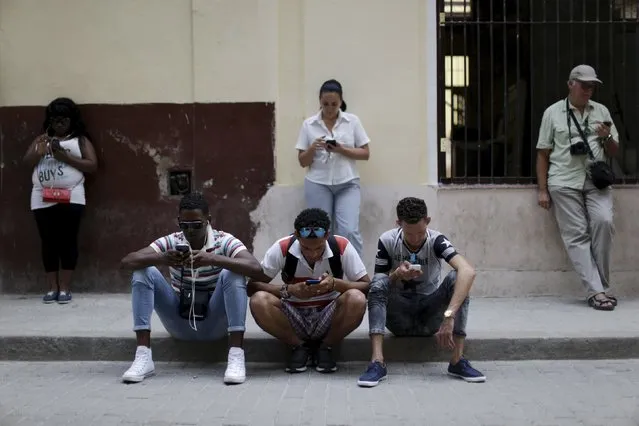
(352, 265)
(333, 169)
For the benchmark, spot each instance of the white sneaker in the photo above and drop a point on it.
(142, 366)
(235, 370)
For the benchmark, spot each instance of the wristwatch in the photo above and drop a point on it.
(449, 314)
(284, 291)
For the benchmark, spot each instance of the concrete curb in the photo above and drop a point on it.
(405, 349)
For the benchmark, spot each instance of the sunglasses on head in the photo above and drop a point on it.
(312, 231)
(195, 225)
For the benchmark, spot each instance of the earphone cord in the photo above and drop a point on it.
(192, 322)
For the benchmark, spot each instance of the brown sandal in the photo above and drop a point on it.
(601, 304)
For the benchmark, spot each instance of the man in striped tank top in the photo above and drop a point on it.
(206, 298)
(323, 297)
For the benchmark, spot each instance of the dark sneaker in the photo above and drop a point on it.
(375, 373)
(64, 297)
(465, 371)
(50, 297)
(325, 362)
(297, 362)
(313, 348)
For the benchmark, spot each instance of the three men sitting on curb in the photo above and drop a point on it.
(323, 298)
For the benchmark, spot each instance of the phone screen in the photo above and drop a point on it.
(313, 282)
(182, 248)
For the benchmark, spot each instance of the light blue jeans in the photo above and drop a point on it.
(341, 202)
(227, 306)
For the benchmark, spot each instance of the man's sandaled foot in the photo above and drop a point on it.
(601, 302)
(612, 299)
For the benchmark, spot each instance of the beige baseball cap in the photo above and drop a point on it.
(584, 73)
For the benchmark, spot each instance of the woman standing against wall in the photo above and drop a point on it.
(59, 158)
(329, 143)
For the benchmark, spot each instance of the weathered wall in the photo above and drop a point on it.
(222, 87)
(228, 147)
(163, 84)
(512, 242)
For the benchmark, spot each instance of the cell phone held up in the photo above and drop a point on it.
(183, 248)
(331, 142)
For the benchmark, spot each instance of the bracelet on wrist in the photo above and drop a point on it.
(284, 294)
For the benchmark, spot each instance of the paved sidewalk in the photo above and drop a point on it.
(562, 393)
(98, 327)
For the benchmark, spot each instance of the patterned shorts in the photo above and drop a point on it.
(310, 323)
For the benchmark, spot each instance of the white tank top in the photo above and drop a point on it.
(51, 173)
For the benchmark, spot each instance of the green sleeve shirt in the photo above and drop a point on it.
(568, 170)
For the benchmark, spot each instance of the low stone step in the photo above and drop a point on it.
(98, 327)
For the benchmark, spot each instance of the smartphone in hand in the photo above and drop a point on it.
(183, 248)
(313, 282)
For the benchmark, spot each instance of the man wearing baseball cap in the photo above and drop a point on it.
(577, 134)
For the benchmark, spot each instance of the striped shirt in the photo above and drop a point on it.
(220, 243)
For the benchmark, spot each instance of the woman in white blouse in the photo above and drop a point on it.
(328, 144)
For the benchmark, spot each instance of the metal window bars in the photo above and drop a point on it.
(503, 62)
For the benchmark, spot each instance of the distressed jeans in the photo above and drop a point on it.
(412, 314)
(227, 306)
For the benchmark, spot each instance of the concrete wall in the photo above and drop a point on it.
(168, 84)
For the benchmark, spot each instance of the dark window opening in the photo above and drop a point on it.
(503, 62)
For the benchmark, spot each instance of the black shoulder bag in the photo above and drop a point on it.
(601, 173)
(194, 301)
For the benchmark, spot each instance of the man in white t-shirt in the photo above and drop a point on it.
(206, 299)
(323, 297)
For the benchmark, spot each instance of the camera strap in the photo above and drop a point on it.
(581, 132)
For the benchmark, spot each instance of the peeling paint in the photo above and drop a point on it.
(162, 162)
(127, 202)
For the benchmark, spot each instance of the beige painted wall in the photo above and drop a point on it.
(139, 51)
(375, 48)
(116, 51)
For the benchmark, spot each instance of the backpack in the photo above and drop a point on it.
(336, 243)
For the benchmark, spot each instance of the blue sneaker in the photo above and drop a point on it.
(465, 371)
(50, 297)
(375, 373)
(64, 297)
